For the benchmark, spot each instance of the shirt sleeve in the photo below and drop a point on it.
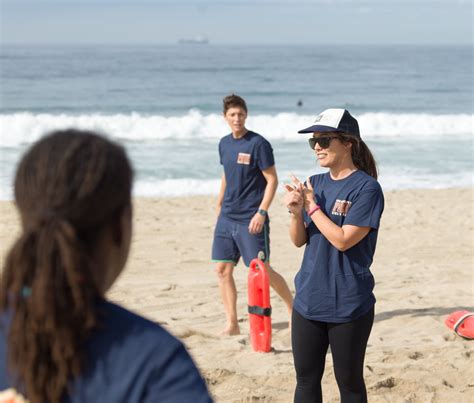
(176, 381)
(366, 209)
(264, 156)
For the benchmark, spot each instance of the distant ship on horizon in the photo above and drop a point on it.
(198, 40)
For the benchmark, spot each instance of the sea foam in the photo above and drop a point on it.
(24, 128)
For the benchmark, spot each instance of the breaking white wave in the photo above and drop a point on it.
(24, 128)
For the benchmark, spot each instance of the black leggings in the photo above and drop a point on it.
(348, 341)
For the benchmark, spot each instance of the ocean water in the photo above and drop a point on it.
(163, 103)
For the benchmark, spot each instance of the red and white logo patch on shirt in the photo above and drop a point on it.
(341, 207)
(243, 158)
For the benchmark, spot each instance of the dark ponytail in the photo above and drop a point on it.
(67, 188)
(52, 300)
(361, 155)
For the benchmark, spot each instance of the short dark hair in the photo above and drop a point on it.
(233, 101)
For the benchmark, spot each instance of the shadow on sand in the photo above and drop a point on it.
(434, 311)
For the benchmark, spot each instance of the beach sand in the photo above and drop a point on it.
(423, 270)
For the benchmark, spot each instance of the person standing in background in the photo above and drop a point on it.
(248, 186)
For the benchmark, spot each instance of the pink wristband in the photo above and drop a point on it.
(313, 210)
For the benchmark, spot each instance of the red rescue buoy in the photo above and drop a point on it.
(462, 322)
(259, 307)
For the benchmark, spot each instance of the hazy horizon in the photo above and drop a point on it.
(225, 22)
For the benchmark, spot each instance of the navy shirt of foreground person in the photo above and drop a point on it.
(334, 286)
(244, 159)
(129, 359)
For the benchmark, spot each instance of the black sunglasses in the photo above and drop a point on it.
(323, 142)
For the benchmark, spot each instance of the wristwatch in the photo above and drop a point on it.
(262, 212)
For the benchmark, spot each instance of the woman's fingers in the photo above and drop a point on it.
(293, 195)
(293, 198)
(295, 180)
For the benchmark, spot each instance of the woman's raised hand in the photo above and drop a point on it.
(308, 195)
(294, 201)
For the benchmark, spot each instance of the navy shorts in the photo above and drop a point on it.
(232, 240)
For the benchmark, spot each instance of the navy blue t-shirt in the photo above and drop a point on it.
(244, 159)
(334, 286)
(129, 359)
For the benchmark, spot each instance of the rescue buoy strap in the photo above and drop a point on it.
(258, 310)
(460, 322)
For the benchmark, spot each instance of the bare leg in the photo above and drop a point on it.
(228, 291)
(278, 283)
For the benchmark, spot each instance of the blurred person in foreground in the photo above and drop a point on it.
(60, 339)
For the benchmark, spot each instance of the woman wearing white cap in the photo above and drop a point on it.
(336, 215)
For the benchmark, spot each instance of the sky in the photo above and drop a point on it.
(434, 22)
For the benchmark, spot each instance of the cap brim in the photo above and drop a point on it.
(319, 128)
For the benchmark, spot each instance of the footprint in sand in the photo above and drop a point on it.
(244, 341)
(168, 287)
(216, 376)
(386, 383)
(446, 383)
(186, 333)
(416, 355)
